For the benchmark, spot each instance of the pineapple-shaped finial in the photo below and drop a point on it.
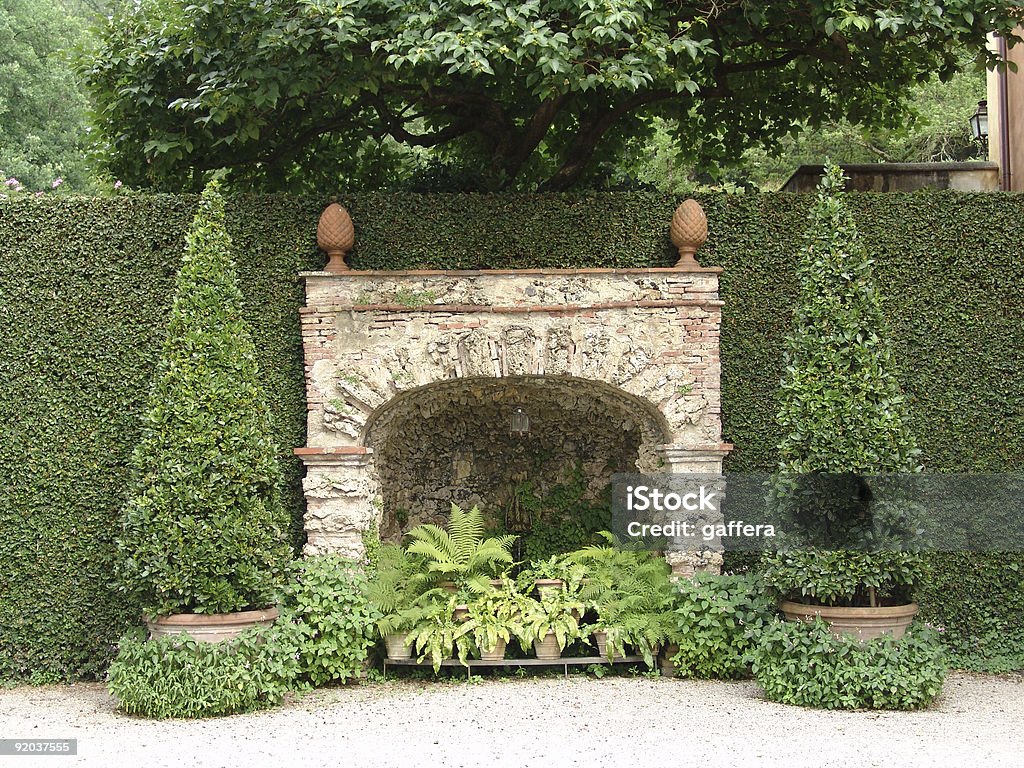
(335, 235)
(689, 231)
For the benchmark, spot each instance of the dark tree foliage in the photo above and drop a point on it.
(296, 93)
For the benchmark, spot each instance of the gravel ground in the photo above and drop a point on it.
(550, 722)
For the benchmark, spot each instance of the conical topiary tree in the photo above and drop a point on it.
(205, 531)
(843, 418)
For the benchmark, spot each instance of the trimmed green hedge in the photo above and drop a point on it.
(85, 289)
(85, 285)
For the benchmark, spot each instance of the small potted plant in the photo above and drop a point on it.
(458, 557)
(850, 556)
(433, 631)
(551, 623)
(391, 589)
(493, 619)
(204, 543)
(555, 574)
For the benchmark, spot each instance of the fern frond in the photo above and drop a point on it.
(479, 584)
(435, 537)
(467, 530)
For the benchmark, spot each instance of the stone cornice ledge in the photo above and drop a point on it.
(334, 455)
(512, 309)
(357, 273)
(711, 452)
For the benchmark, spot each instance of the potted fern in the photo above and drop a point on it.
(556, 573)
(439, 571)
(632, 594)
(850, 556)
(391, 589)
(458, 557)
(204, 541)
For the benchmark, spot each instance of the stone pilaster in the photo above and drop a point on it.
(341, 500)
(695, 460)
(703, 460)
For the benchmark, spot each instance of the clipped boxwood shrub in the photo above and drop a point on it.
(716, 618)
(843, 417)
(824, 577)
(326, 603)
(205, 531)
(802, 663)
(178, 677)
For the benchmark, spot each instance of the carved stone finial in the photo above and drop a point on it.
(335, 235)
(689, 231)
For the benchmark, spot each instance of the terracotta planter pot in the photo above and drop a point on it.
(397, 649)
(861, 623)
(497, 653)
(548, 586)
(665, 665)
(449, 586)
(547, 648)
(461, 612)
(601, 638)
(210, 627)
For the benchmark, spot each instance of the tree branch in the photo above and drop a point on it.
(592, 130)
(395, 127)
(757, 66)
(532, 134)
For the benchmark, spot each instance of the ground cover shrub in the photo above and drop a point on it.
(803, 663)
(333, 619)
(716, 621)
(179, 677)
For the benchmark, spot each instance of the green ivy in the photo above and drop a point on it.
(563, 519)
(86, 286)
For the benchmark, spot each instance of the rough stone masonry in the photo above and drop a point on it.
(390, 357)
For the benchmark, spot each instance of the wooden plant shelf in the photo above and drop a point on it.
(565, 663)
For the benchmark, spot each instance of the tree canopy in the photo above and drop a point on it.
(42, 112)
(288, 93)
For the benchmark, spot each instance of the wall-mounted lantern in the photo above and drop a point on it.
(520, 423)
(979, 125)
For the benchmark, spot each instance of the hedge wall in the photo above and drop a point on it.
(85, 285)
